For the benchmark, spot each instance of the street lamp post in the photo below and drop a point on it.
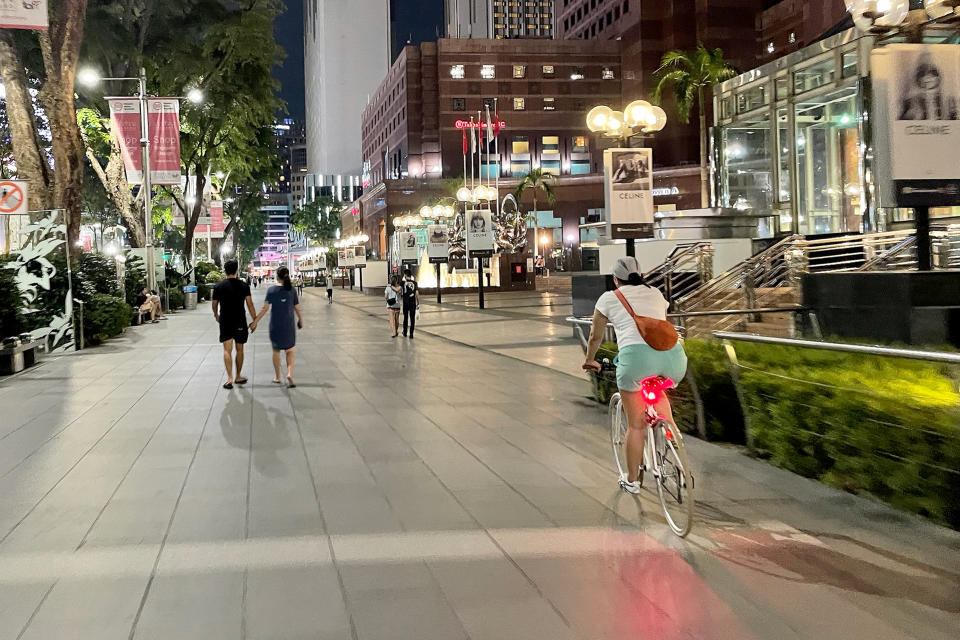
(637, 118)
(90, 78)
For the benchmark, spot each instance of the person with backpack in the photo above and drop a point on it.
(393, 294)
(410, 294)
(284, 304)
(648, 346)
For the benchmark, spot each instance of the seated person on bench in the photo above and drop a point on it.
(149, 303)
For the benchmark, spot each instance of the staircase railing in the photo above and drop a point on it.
(687, 267)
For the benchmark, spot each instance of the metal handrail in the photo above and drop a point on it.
(911, 354)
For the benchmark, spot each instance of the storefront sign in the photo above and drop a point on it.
(359, 257)
(628, 187)
(467, 124)
(438, 243)
(917, 89)
(163, 122)
(663, 192)
(479, 233)
(24, 14)
(409, 249)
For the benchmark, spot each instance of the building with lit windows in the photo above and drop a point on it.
(499, 19)
(290, 134)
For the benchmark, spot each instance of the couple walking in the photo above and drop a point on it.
(229, 298)
(406, 294)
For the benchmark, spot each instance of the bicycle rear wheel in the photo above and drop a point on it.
(618, 433)
(674, 477)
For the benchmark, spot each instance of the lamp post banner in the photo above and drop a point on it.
(917, 91)
(163, 121)
(628, 187)
(24, 14)
(125, 125)
(438, 243)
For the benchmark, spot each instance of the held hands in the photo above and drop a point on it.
(253, 326)
(591, 365)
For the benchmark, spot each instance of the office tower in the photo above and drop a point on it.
(499, 19)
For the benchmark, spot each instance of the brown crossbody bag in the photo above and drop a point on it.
(659, 334)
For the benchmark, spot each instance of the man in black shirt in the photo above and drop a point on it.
(410, 293)
(229, 297)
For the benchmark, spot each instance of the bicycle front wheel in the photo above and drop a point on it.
(674, 477)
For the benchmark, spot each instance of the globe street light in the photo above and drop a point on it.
(638, 117)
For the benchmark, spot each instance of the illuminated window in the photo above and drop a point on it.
(549, 104)
(580, 145)
(548, 71)
(488, 72)
(607, 73)
(459, 104)
(520, 145)
(519, 104)
(519, 71)
(456, 71)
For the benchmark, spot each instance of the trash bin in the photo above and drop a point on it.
(190, 297)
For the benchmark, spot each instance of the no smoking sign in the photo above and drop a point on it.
(13, 197)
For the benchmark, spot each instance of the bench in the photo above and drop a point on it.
(16, 359)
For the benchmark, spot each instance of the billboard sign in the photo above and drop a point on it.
(917, 90)
(438, 243)
(479, 223)
(409, 248)
(628, 188)
(359, 256)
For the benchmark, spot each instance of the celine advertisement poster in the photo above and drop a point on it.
(479, 233)
(628, 186)
(917, 100)
(359, 257)
(409, 251)
(438, 243)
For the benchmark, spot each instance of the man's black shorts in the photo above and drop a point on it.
(238, 334)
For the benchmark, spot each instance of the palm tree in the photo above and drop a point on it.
(536, 180)
(688, 73)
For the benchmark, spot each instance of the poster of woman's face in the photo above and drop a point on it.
(359, 252)
(478, 222)
(928, 87)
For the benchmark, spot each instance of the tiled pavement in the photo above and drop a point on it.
(407, 490)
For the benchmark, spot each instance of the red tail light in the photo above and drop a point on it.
(653, 388)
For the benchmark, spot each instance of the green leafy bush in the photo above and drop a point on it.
(134, 279)
(885, 426)
(176, 299)
(214, 277)
(104, 316)
(11, 320)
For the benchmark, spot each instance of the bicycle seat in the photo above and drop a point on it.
(654, 386)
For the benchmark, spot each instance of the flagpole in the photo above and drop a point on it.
(473, 144)
(496, 146)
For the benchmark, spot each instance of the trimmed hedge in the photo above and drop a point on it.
(888, 427)
(104, 316)
(11, 319)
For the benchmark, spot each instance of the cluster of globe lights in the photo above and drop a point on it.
(639, 114)
(352, 241)
(479, 193)
(884, 15)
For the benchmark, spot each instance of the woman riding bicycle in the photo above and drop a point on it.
(636, 360)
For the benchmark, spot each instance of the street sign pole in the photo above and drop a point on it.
(146, 187)
(439, 300)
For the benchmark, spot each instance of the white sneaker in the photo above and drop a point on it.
(629, 487)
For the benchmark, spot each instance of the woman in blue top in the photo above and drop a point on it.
(284, 304)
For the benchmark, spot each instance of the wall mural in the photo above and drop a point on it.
(47, 299)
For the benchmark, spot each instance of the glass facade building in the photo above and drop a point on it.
(794, 137)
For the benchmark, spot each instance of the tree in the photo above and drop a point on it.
(319, 220)
(536, 180)
(688, 74)
(52, 80)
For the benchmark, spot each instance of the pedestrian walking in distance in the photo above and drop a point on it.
(229, 297)
(411, 301)
(284, 305)
(392, 293)
(329, 280)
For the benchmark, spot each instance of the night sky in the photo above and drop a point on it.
(288, 30)
(417, 20)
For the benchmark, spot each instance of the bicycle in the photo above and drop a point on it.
(664, 453)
